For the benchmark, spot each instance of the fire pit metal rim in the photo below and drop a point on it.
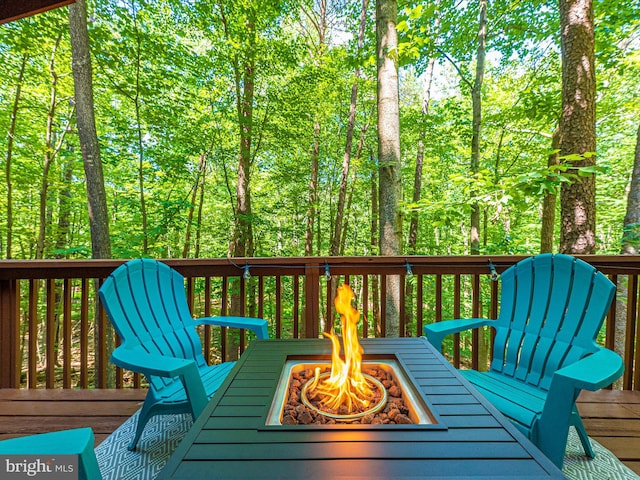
(349, 417)
(427, 417)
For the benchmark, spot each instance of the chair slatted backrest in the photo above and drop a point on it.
(551, 310)
(146, 303)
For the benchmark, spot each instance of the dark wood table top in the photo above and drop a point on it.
(469, 438)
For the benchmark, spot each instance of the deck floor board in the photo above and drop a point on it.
(611, 417)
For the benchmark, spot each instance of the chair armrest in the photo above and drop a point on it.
(595, 371)
(257, 325)
(591, 373)
(137, 360)
(436, 332)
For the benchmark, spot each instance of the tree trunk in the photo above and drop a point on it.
(631, 227)
(375, 242)
(137, 107)
(313, 191)
(343, 240)
(48, 152)
(389, 151)
(200, 208)
(319, 21)
(549, 200)
(241, 244)
(630, 246)
(476, 96)
(346, 159)
(187, 241)
(577, 125)
(83, 86)
(417, 175)
(417, 186)
(12, 133)
(96, 196)
(65, 202)
(242, 241)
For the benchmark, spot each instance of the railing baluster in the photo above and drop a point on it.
(278, 287)
(84, 333)
(101, 347)
(261, 297)
(224, 311)
(207, 313)
(493, 312)
(383, 305)
(365, 306)
(456, 314)
(50, 334)
(67, 333)
(611, 317)
(420, 303)
(33, 334)
(632, 318)
(402, 327)
(475, 313)
(296, 306)
(243, 310)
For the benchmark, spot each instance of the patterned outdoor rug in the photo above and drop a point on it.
(163, 433)
(159, 439)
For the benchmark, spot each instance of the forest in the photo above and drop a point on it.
(251, 128)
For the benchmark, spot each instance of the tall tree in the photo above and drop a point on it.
(346, 158)
(10, 140)
(244, 71)
(549, 200)
(631, 227)
(135, 97)
(51, 148)
(630, 246)
(83, 87)
(476, 97)
(389, 151)
(318, 18)
(578, 125)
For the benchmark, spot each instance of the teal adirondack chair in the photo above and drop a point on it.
(145, 301)
(78, 441)
(544, 352)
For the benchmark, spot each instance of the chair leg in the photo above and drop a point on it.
(576, 421)
(143, 417)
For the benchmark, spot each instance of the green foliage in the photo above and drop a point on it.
(165, 96)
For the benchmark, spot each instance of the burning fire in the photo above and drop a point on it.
(346, 385)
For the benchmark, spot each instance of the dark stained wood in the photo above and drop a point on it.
(15, 9)
(31, 411)
(22, 305)
(9, 331)
(468, 438)
(612, 418)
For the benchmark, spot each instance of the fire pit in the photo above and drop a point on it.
(403, 401)
(343, 388)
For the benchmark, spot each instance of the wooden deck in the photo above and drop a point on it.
(611, 417)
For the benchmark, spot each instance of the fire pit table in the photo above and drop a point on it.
(454, 431)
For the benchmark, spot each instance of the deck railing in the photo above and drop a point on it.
(53, 332)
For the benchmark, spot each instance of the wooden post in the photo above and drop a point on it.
(312, 300)
(9, 334)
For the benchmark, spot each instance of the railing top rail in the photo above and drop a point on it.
(391, 265)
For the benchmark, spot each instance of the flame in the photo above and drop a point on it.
(346, 385)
